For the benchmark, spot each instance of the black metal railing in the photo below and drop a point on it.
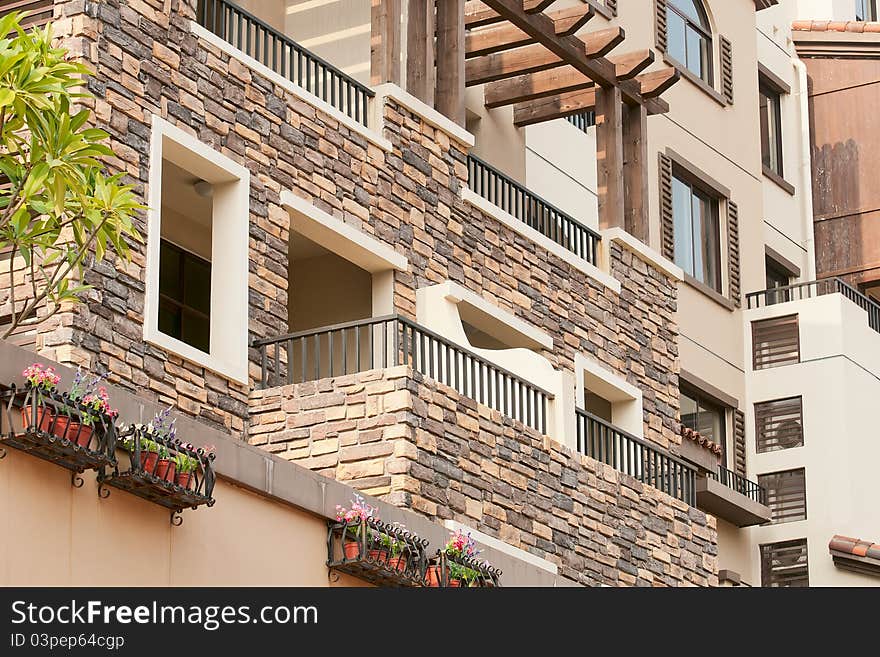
(651, 465)
(532, 210)
(753, 490)
(391, 341)
(283, 55)
(583, 121)
(811, 289)
(451, 571)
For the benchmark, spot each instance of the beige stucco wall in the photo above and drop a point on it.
(327, 290)
(839, 379)
(52, 534)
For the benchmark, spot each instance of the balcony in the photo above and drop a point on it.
(529, 208)
(385, 342)
(733, 497)
(635, 457)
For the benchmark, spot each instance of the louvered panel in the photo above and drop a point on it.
(733, 259)
(786, 495)
(775, 342)
(40, 10)
(666, 219)
(726, 56)
(779, 424)
(785, 564)
(739, 443)
(660, 24)
(612, 5)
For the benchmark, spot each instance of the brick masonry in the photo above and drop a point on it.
(420, 445)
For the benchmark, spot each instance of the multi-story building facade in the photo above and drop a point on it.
(501, 282)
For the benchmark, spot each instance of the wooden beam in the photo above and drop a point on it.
(533, 86)
(635, 171)
(420, 50)
(477, 14)
(631, 64)
(508, 64)
(655, 83)
(449, 97)
(385, 41)
(554, 107)
(609, 157)
(571, 49)
(504, 37)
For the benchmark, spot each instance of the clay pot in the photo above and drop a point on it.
(44, 418)
(352, 549)
(148, 461)
(72, 430)
(455, 583)
(432, 576)
(165, 469)
(378, 556)
(186, 480)
(397, 563)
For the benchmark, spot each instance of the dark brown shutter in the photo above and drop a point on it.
(733, 252)
(785, 564)
(612, 5)
(727, 69)
(786, 495)
(739, 442)
(667, 242)
(40, 11)
(779, 424)
(775, 342)
(660, 24)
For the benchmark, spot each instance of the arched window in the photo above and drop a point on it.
(690, 37)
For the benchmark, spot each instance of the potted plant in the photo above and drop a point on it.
(187, 465)
(459, 546)
(75, 424)
(41, 381)
(359, 513)
(97, 404)
(393, 546)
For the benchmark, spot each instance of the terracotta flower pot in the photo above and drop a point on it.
(67, 428)
(455, 583)
(148, 461)
(165, 469)
(352, 549)
(432, 576)
(43, 421)
(79, 433)
(186, 480)
(378, 556)
(397, 563)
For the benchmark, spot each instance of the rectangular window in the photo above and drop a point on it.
(770, 107)
(776, 277)
(696, 232)
(779, 424)
(775, 342)
(866, 10)
(786, 495)
(184, 296)
(704, 416)
(785, 564)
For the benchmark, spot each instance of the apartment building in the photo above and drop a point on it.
(533, 278)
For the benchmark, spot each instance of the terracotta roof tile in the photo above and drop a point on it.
(701, 440)
(854, 546)
(857, 27)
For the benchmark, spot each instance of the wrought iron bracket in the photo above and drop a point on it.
(103, 491)
(176, 518)
(76, 480)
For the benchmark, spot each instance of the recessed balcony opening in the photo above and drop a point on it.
(185, 257)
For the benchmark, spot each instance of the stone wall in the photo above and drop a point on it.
(148, 61)
(420, 445)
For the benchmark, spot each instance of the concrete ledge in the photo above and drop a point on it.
(717, 499)
(527, 231)
(644, 252)
(426, 112)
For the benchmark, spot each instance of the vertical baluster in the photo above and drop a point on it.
(264, 375)
(277, 364)
(290, 360)
(316, 340)
(304, 357)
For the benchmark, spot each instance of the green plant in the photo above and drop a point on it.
(356, 517)
(393, 545)
(463, 573)
(58, 205)
(186, 463)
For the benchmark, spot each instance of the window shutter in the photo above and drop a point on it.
(612, 6)
(727, 69)
(660, 24)
(666, 223)
(739, 442)
(733, 253)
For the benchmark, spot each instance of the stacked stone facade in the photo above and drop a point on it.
(421, 445)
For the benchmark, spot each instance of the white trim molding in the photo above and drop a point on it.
(527, 231)
(643, 251)
(429, 114)
(626, 399)
(228, 354)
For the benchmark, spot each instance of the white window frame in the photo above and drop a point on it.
(627, 411)
(228, 353)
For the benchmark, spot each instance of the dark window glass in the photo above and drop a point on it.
(184, 296)
(776, 277)
(689, 37)
(771, 129)
(696, 232)
(705, 417)
(866, 10)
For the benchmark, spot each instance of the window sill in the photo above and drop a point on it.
(779, 180)
(709, 292)
(701, 84)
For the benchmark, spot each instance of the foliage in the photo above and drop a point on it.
(393, 545)
(58, 204)
(43, 380)
(359, 512)
(163, 424)
(462, 546)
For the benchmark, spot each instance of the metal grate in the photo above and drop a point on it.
(775, 342)
(583, 121)
(785, 564)
(779, 424)
(786, 495)
(754, 491)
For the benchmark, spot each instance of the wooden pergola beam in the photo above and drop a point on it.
(631, 64)
(571, 50)
(533, 86)
(609, 157)
(477, 14)
(554, 107)
(420, 50)
(451, 78)
(504, 37)
(384, 41)
(654, 83)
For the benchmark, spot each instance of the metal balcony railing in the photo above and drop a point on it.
(532, 210)
(285, 56)
(740, 484)
(808, 290)
(651, 465)
(390, 341)
(583, 121)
